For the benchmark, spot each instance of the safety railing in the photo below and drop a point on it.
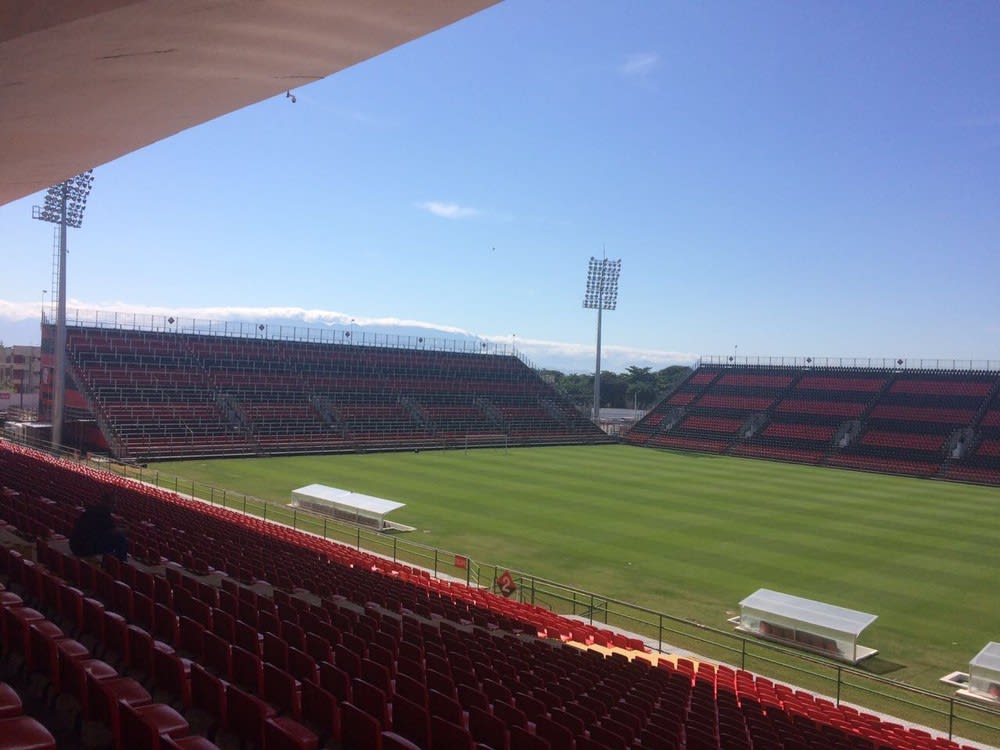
(948, 714)
(247, 329)
(865, 363)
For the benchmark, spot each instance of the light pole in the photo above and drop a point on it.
(38, 401)
(64, 205)
(601, 294)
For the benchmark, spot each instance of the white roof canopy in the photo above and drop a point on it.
(830, 616)
(353, 500)
(338, 502)
(989, 657)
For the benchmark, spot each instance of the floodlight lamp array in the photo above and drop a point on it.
(74, 191)
(602, 284)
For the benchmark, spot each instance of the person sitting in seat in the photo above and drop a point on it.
(95, 532)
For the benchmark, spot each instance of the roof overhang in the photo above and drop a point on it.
(84, 82)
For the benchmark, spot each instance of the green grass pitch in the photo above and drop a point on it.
(691, 534)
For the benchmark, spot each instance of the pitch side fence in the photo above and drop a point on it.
(948, 714)
(863, 363)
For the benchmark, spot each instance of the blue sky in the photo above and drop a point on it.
(786, 178)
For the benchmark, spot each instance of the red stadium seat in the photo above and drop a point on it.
(142, 726)
(321, 712)
(10, 702)
(410, 719)
(247, 715)
(285, 733)
(24, 733)
(488, 729)
(393, 741)
(359, 729)
(447, 735)
(520, 739)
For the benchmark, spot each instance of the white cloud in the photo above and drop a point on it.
(449, 210)
(639, 64)
(564, 355)
(19, 311)
(85, 312)
(581, 356)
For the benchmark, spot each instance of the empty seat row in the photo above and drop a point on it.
(883, 420)
(376, 661)
(164, 394)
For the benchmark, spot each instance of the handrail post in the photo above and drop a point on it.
(951, 716)
(555, 596)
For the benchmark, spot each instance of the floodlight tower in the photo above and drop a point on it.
(64, 205)
(602, 294)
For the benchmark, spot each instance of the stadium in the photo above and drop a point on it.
(700, 581)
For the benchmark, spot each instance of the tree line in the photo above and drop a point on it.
(638, 387)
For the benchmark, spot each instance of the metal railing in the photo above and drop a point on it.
(866, 363)
(947, 714)
(842, 683)
(280, 332)
(662, 632)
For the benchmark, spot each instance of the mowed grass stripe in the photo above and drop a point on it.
(693, 534)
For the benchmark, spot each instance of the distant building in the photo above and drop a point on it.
(20, 374)
(619, 421)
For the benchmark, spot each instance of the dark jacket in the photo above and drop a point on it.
(90, 531)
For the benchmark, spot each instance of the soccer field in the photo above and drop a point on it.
(691, 534)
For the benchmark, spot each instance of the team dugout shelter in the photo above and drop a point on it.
(344, 505)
